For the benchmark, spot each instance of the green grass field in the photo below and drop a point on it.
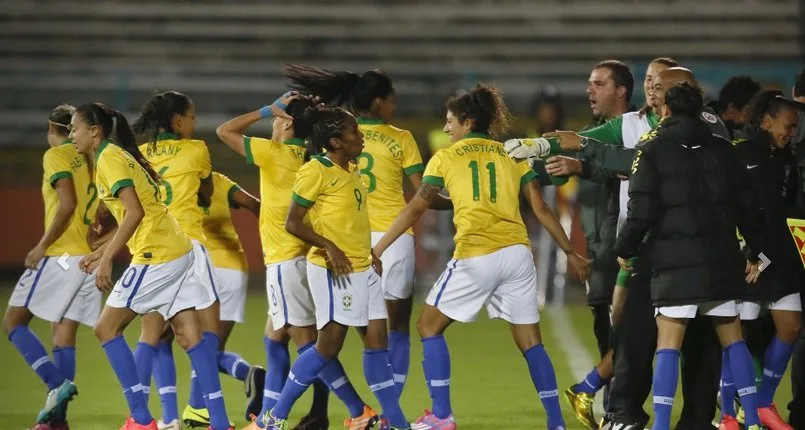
(490, 383)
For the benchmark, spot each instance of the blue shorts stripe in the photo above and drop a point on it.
(209, 271)
(36, 281)
(330, 290)
(282, 293)
(136, 287)
(444, 284)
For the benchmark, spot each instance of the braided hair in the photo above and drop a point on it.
(322, 123)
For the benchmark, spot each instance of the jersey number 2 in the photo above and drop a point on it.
(476, 183)
(93, 195)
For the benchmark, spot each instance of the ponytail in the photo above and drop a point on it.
(157, 114)
(115, 127)
(485, 106)
(357, 92)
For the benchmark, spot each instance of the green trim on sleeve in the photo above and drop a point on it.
(247, 149)
(416, 168)
(528, 177)
(123, 183)
(59, 175)
(302, 201)
(231, 194)
(433, 180)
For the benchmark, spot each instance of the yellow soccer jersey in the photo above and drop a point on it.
(61, 162)
(158, 239)
(484, 185)
(221, 238)
(182, 164)
(389, 152)
(278, 164)
(337, 202)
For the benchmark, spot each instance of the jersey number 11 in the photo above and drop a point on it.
(476, 185)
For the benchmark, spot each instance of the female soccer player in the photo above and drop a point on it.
(160, 276)
(63, 295)
(341, 269)
(687, 192)
(492, 263)
(389, 153)
(290, 304)
(167, 123)
(763, 145)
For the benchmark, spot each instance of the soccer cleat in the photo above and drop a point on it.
(729, 423)
(193, 417)
(133, 425)
(605, 421)
(313, 422)
(173, 425)
(253, 387)
(273, 423)
(428, 421)
(57, 401)
(53, 425)
(366, 421)
(770, 418)
(582, 404)
(384, 425)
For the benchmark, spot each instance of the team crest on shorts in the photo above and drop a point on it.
(347, 301)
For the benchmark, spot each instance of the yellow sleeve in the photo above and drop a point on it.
(527, 174)
(204, 161)
(412, 159)
(434, 173)
(117, 173)
(56, 167)
(308, 184)
(259, 151)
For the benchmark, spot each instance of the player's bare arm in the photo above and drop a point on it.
(247, 201)
(66, 209)
(439, 202)
(231, 132)
(547, 218)
(205, 190)
(413, 211)
(295, 225)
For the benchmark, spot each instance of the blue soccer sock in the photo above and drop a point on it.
(36, 356)
(279, 364)
(744, 376)
(165, 379)
(202, 358)
(727, 387)
(379, 376)
(233, 365)
(591, 383)
(400, 357)
(196, 399)
(64, 360)
(334, 376)
(122, 361)
(436, 364)
(321, 392)
(774, 363)
(544, 379)
(144, 358)
(666, 378)
(302, 374)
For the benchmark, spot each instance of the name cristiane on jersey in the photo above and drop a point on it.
(162, 150)
(479, 147)
(389, 142)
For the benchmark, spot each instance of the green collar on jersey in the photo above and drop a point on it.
(101, 147)
(369, 121)
(653, 119)
(476, 135)
(295, 141)
(66, 142)
(323, 160)
(167, 136)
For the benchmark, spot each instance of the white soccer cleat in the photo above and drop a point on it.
(524, 149)
(173, 425)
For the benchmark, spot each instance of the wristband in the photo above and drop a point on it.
(280, 105)
(265, 112)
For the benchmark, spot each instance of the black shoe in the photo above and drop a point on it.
(313, 422)
(253, 386)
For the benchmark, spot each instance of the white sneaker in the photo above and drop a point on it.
(173, 425)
